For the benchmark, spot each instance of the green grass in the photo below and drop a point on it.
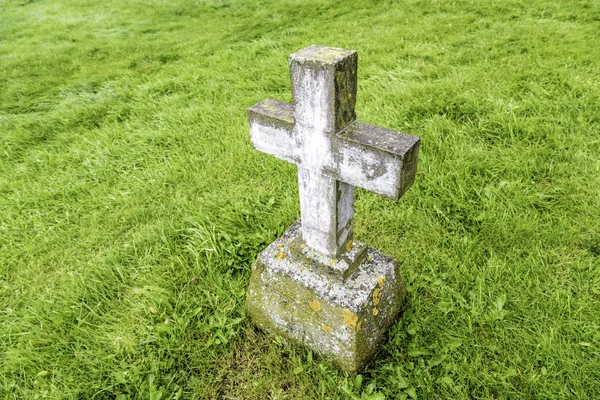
(132, 204)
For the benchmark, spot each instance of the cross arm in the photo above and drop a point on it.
(271, 128)
(377, 159)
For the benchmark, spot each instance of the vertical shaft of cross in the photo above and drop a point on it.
(324, 88)
(327, 208)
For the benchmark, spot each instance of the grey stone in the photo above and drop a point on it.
(340, 320)
(318, 258)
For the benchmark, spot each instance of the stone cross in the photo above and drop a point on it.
(315, 285)
(333, 152)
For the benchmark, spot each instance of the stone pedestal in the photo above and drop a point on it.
(340, 308)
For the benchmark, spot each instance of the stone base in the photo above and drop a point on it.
(343, 316)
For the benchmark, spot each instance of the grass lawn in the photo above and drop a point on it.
(132, 204)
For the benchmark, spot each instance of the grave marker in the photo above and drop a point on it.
(315, 285)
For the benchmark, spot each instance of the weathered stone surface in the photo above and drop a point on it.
(317, 285)
(319, 134)
(271, 125)
(376, 159)
(327, 206)
(339, 268)
(341, 320)
(321, 78)
(316, 64)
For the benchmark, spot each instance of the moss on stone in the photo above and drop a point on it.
(336, 320)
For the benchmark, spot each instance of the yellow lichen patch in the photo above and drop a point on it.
(349, 245)
(302, 246)
(280, 255)
(280, 245)
(375, 311)
(350, 319)
(376, 296)
(315, 305)
(326, 328)
(332, 263)
(380, 281)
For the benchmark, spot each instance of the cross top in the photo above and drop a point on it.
(333, 151)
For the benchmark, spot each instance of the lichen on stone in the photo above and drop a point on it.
(281, 292)
(376, 296)
(350, 319)
(315, 305)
